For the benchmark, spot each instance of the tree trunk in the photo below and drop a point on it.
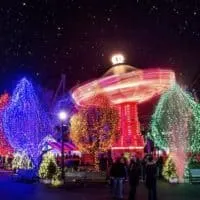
(96, 161)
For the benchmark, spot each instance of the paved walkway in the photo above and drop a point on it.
(10, 190)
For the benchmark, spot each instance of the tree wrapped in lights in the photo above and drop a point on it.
(169, 169)
(95, 129)
(21, 161)
(194, 145)
(49, 168)
(172, 123)
(5, 147)
(25, 121)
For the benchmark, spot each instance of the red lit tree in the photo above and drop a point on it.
(5, 147)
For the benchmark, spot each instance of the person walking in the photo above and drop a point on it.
(151, 173)
(160, 166)
(143, 167)
(118, 175)
(134, 176)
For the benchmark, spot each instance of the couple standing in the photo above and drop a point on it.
(119, 174)
(150, 177)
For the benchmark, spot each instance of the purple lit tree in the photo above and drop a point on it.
(25, 121)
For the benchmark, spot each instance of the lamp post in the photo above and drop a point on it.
(62, 116)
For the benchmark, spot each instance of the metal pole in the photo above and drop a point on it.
(63, 158)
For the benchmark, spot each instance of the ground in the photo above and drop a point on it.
(11, 190)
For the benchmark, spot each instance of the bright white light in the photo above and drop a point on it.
(167, 151)
(117, 59)
(62, 115)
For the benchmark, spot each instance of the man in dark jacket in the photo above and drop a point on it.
(118, 174)
(134, 175)
(151, 173)
(160, 166)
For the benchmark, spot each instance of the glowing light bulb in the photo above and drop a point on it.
(62, 115)
(117, 59)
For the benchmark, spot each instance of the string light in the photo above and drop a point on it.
(95, 129)
(169, 169)
(175, 125)
(130, 127)
(25, 121)
(133, 86)
(48, 167)
(5, 148)
(21, 161)
(125, 90)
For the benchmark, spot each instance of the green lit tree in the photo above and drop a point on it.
(194, 139)
(175, 126)
(174, 111)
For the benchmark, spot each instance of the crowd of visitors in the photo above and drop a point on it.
(146, 170)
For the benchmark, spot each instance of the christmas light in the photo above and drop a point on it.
(21, 161)
(94, 129)
(25, 122)
(169, 169)
(128, 148)
(175, 125)
(133, 86)
(49, 169)
(5, 148)
(125, 87)
(130, 127)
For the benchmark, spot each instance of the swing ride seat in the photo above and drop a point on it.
(194, 176)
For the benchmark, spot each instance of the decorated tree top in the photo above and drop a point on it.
(173, 116)
(25, 121)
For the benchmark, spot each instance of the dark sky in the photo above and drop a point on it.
(43, 38)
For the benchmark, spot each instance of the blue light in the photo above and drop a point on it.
(25, 122)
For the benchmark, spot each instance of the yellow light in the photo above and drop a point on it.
(117, 59)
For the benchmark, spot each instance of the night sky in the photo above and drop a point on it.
(44, 38)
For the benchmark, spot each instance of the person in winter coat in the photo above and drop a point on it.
(160, 166)
(151, 173)
(118, 174)
(134, 176)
